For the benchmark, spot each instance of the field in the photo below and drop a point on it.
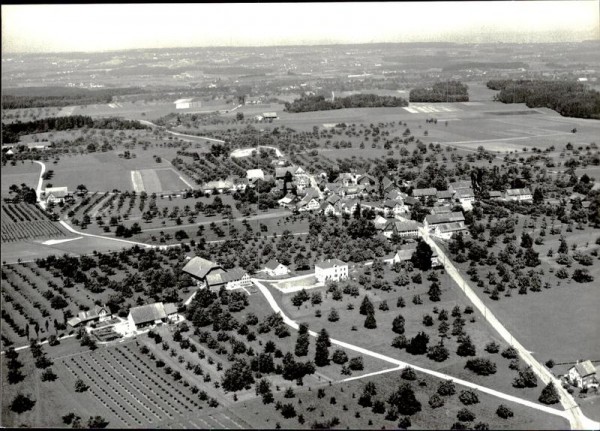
(157, 181)
(24, 221)
(25, 172)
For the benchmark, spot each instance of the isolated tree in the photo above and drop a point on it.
(21, 403)
(404, 400)
(504, 412)
(549, 394)
(468, 397)
(421, 257)
(398, 324)
(466, 347)
(434, 292)
(438, 353)
(97, 422)
(303, 341)
(408, 374)
(435, 401)
(370, 322)
(366, 306)
(238, 376)
(481, 366)
(322, 349)
(526, 379)
(446, 388)
(418, 344)
(333, 315)
(339, 357)
(465, 415)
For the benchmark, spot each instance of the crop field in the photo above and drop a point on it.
(24, 221)
(25, 172)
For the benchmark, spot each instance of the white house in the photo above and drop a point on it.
(583, 375)
(408, 228)
(308, 203)
(520, 195)
(331, 270)
(97, 314)
(274, 268)
(187, 103)
(55, 194)
(287, 201)
(255, 174)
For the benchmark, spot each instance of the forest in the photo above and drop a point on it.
(450, 91)
(318, 103)
(21, 98)
(568, 98)
(12, 132)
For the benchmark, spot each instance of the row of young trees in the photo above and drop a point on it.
(319, 103)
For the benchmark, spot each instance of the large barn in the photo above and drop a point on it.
(188, 103)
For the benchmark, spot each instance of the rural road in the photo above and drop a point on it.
(38, 191)
(195, 138)
(401, 364)
(573, 412)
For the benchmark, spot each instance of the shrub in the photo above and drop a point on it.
(288, 411)
(510, 353)
(408, 374)
(526, 379)
(339, 357)
(435, 401)
(492, 347)
(481, 366)
(21, 403)
(446, 388)
(465, 415)
(438, 353)
(356, 364)
(468, 397)
(504, 412)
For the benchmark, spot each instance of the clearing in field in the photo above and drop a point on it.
(421, 108)
(157, 180)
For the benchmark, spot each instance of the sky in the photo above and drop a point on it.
(107, 27)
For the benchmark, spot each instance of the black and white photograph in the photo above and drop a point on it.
(314, 215)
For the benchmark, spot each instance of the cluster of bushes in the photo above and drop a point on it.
(318, 103)
(450, 91)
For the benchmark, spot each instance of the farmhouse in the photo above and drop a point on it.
(442, 209)
(408, 228)
(520, 195)
(444, 196)
(387, 184)
(199, 268)
(287, 201)
(56, 194)
(150, 314)
(424, 193)
(299, 175)
(187, 103)
(309, 202)
(232, 279)
(274, 268)
(495, 194)
(331, 270)
(446, 230)
(394, 208)
(583, 375)
(255, 174)
(347, 179)
(456, 186)
(405, 252)
(97, 314)
(435, 219)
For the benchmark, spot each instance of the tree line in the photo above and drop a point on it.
(12, 132)
(318, 103)
(59, 96)
(568, 98)
(450, 91)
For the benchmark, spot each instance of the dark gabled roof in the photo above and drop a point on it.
(409, 200)
(463, 184)
(465, 193)
(442, 209)
(330, 263)
(444, 218)
(444, 194)
(148, 313)
(495, 194)
(431, 191)
(170, 308)
(585, 368)
(233, 274)
(406, 226)
(199, 267)
(272, 264)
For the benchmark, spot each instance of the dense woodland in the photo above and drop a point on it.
(451, 91)
(60, 96)
(568, 98)
(12, 132)
(318, 103)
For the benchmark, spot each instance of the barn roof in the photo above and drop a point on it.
(585, 368)
(148, 313)
(199, 267)
(445, 218)
(330, 263)
(217, 278)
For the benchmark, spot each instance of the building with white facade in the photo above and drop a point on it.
(331, 270)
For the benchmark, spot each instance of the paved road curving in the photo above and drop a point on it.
(182, 135)
(401, 364)
(574, 414)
